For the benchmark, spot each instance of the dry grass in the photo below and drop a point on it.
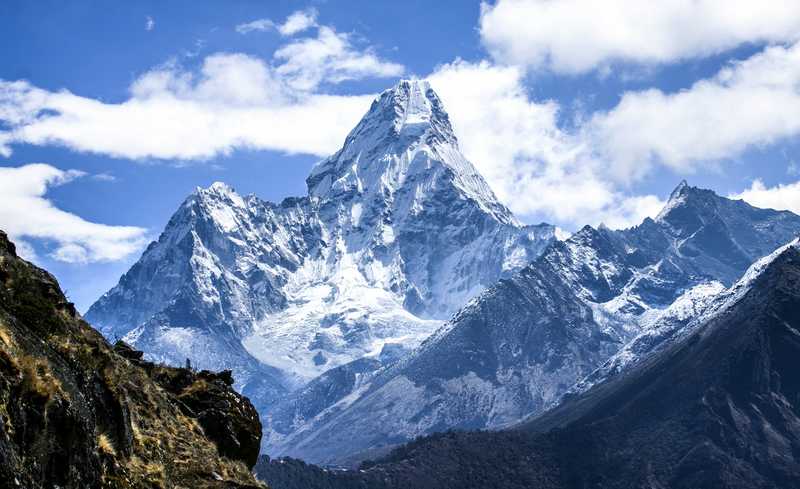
(38, 378)
(5, 336)
(105, 445)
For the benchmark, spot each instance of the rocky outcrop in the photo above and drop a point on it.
(76, 412)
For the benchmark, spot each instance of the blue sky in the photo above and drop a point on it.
(595, 125)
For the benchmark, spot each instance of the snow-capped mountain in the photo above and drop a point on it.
(398, 230)
(718, 407)
(516, 349)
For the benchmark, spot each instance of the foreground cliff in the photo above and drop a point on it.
(76, 412)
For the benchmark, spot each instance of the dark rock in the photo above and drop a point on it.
(77, 413)
(125, 350)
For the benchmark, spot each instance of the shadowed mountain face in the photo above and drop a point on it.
(519, 347)
(77, 413)
(719, 408)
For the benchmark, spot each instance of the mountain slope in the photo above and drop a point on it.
(520, 346)
(718, 408)
(77, 413)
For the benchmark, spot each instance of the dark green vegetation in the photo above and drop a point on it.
(76, 412)
(719, 409)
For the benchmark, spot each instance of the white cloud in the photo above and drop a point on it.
(256, 25)
(149, 24)
(235, 101)
(534, 167)
(749, 103)
(26, 214)
(783, 197)
(297, 22)
(329, 57)
(104, 177)
(575, 36)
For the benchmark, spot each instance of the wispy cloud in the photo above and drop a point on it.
(149, 23)
(256, 25)
(26, 214)
(297, 22)
(331, 57)
(104, 177)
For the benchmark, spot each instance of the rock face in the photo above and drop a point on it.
(718, 407)
(516, 349)
(76, 413)
(398, 230)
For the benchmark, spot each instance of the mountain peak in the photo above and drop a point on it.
(683, 186)
(684, 195)
(217, 188)
(404, 141)
(415, 102)
(407, 113)
(216, 194)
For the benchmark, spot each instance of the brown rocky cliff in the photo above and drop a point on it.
(76, 412)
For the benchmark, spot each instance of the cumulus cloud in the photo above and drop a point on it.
(576, 36)
(752, 102)
(234, 101)
(533, 166)
(297, 22)
(782, 197)
(26, 213)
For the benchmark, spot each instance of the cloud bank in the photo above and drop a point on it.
(576, 176)
(782, 197)
(27, 213)
(749, 103)
(577, 36)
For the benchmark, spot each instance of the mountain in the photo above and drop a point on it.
(720, 407)
(397, 231)
(78, 413)
(523, 344)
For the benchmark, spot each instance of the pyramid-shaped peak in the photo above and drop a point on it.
(404, 141)
(409, 108)
(219, 188)
(218, 194)
(682, 187)
(415, 99)
(684, 196)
